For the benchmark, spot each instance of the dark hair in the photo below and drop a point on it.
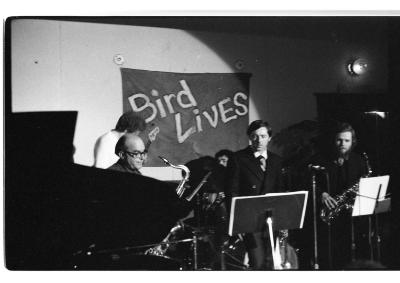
(228, 153)
(255, 125)
(131, 122)
(345, 127)
(120, 146)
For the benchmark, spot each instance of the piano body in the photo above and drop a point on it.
(56, 210)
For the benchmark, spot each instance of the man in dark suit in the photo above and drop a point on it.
(256, 171)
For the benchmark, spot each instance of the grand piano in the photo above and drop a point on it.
(57, 213)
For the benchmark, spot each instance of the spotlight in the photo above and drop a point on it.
(358, 67)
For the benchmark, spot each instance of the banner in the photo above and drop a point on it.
(197, 113)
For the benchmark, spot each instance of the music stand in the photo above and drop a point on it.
(282, 211)
(383, 206)
(371, 190)
(370, 200)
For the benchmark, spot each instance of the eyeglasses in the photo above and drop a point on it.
(136, 154)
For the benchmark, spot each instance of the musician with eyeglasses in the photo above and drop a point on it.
(129, 122)
(132, 154)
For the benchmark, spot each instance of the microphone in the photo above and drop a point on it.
(316, 167)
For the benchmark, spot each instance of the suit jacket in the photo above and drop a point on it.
(121, 167)
(249, 179)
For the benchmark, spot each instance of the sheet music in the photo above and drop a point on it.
(369, 188)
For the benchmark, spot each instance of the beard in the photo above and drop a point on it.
(343, 153)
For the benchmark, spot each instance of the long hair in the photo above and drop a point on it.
(130, 122)
(120, 146)
(345, 127)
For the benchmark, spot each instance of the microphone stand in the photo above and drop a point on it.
(377, 235)
(314, 191)
(197, 216)
(353, 241)
(195, 251)
(328, 186)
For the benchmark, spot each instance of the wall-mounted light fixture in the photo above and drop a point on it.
(357, 67)
(378, 113)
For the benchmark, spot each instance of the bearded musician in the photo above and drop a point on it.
(343, 169)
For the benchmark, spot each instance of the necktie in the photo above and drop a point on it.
(262, 162)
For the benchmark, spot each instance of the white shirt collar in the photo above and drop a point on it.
(263, 154)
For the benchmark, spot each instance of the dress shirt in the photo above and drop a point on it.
(263, 154)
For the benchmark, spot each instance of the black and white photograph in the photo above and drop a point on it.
(201, 143)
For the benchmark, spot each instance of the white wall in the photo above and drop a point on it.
(60, 65)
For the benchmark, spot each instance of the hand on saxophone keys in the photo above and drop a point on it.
(328, 201)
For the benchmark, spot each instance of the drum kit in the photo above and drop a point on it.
(187, 246)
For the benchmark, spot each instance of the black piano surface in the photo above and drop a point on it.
(55, 209)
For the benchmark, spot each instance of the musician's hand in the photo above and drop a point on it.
(329, 201)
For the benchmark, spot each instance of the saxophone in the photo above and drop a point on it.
(345, 200)
(181, 187)
(161, 249)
